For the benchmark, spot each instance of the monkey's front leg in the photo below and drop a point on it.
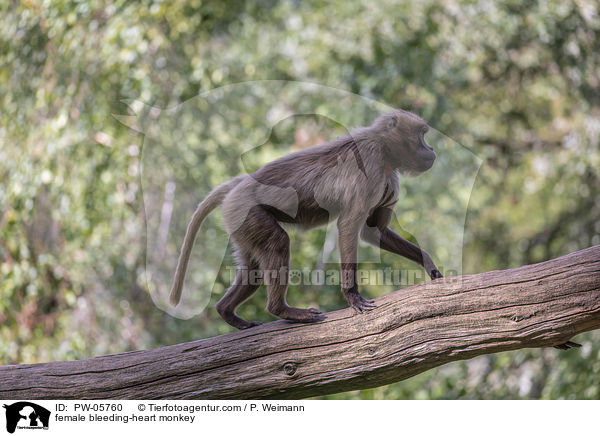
(348, 229)
(391, 241)
(376, 231)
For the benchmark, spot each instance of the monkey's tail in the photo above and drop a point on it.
(210, 203)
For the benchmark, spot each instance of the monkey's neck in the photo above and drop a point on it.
(387, 168)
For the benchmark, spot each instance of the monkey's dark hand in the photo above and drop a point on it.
(432, 270)
(357, 302)
(435, 274)
(567, 345)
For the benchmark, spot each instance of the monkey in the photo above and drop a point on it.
(354, 179)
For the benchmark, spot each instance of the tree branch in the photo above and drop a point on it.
(410, 331)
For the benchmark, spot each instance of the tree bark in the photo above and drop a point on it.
(410, 331)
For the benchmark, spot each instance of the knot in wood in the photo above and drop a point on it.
(290, 368)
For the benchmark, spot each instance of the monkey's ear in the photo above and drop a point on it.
(392, 122)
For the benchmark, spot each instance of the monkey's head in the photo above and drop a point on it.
(403, 138)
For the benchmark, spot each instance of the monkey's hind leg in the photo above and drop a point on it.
(271, 247)
(238, 292)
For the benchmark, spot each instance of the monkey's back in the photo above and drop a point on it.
(323, 179)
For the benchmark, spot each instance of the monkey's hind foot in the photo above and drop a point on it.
(300, 315)
(249, 324)
(358, 303)
(567, 345)
(238, 322)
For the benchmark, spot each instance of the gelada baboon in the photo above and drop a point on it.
(353, 178)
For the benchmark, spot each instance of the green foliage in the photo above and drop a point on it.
(517, 82)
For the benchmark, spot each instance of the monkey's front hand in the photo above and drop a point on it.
(356, 301)
(432, 270)
(435, 274)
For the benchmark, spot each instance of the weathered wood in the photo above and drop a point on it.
(411, 330)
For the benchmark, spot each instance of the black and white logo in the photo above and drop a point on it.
(26, 415)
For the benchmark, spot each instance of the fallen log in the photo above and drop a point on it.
(410, 331)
